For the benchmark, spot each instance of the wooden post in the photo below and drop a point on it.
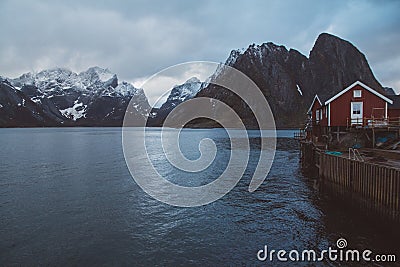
(337, 133)
(373, 137)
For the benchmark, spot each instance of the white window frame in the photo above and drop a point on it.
(357, 93)
(356, 118)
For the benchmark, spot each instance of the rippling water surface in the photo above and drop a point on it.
(67, 198)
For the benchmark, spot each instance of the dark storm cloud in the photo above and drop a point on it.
(138, 38)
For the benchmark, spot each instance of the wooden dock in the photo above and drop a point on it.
(376, 186)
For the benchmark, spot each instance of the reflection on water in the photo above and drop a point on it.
(67, 198)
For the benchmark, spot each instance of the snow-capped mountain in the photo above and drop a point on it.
(92, 97)
(183, 92)
(179, 94)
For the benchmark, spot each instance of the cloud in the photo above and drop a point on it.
(79, 37)
(139, 38)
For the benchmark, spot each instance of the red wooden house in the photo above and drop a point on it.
(357, 104)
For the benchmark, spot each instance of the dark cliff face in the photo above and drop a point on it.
(335, 64)
(18, 110)
(290, 80)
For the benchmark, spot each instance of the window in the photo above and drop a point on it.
(357, 93)
(317, 115)
(356, 108)
(356, 113)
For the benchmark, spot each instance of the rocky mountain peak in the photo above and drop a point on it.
(234, 55)
(329, 47)
(179, 94)
(126, 89)
(97, 73)
(185, 91)
(327, 42)
(337, 63)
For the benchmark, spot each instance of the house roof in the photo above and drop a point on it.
(362, 85)
(312, 104)
(396, 102)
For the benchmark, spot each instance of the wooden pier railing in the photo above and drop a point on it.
(376, 185)
(300, 134)
(374, 122)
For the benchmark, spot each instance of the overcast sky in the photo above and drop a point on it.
(136, 39)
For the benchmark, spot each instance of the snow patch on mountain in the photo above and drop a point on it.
(77, 111)
(36, 100)
(230, 61)
(299, 90)
(257, 51)
(234, 55)
(186, 90)
(126, 89)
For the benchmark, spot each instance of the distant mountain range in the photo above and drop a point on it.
(288, 79)
(60, 97)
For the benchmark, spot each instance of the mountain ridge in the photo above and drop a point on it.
(93, 97)
(288, 79)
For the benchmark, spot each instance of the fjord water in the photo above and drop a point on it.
(67, 198)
